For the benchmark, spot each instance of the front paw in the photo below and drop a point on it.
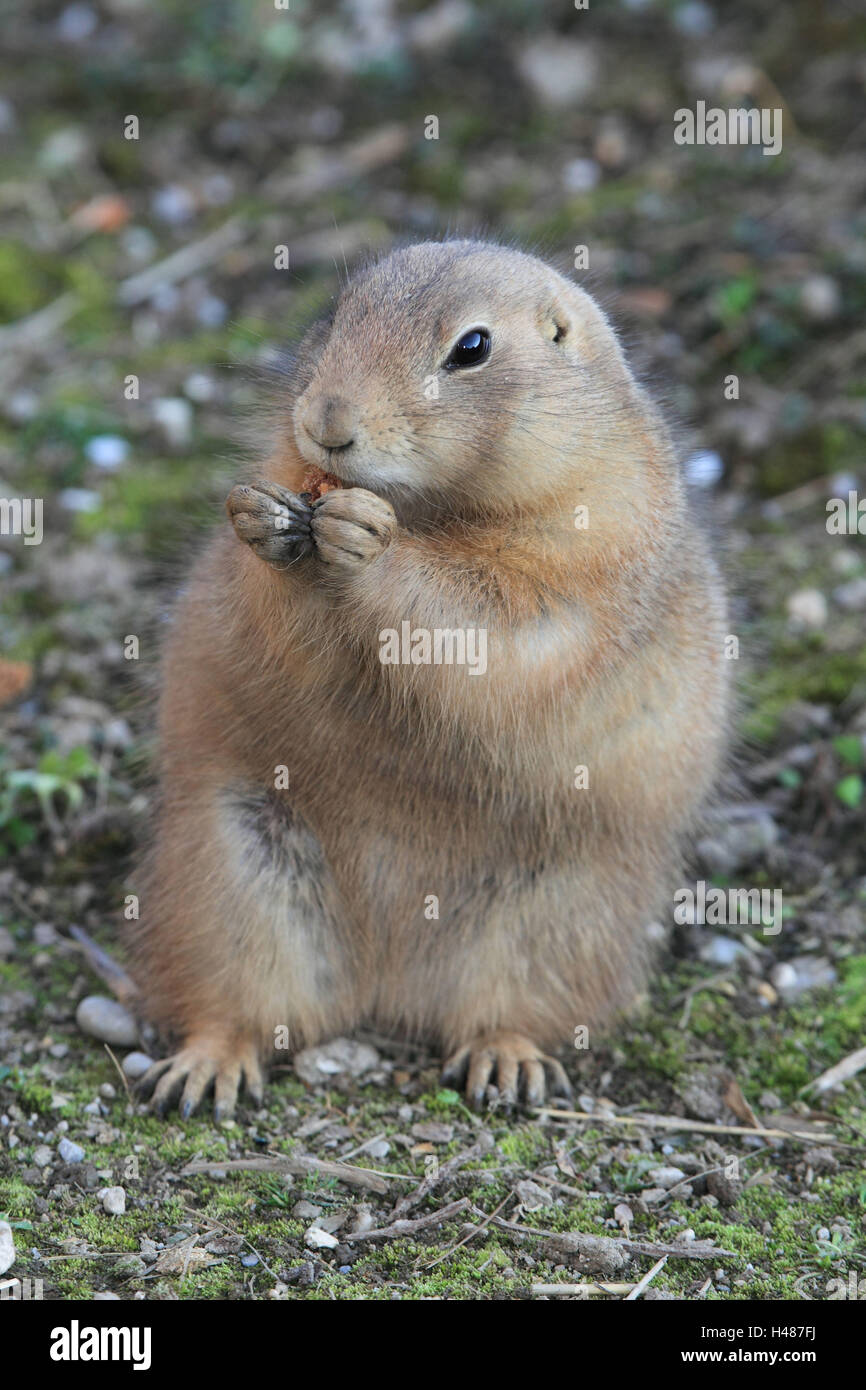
(351, 527)
(272, 521)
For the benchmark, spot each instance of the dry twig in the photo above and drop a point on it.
(408, 1228)
(674, 1122)
(299, 1167)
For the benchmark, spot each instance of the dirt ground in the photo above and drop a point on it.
(140, 311)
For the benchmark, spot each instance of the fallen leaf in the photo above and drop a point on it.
(180, 1258)
(624, 1215)
(15, 676)
(736, 1101)
(564, 1163)
(107, 213)
(842, 1072)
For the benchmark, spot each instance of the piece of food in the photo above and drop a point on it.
(317, 482)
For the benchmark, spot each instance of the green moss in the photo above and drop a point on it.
(800, 669)
(811, 453)
(659, 1050)
(17, 1200)
(28, 280)
(523, 1144)
(31, 1093)
(96, 316)
(156, 502)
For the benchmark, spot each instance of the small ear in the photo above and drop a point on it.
(556, 323)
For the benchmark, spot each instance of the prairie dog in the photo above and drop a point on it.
(348, 837)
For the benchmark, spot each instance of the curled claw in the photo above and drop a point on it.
(272, 521)
(189, 1075)
(351, 527)
(511, 1062)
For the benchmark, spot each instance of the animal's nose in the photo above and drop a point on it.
(331, 420)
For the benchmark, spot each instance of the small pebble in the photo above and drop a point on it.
(174, 416)
(113, 1200)
(63, 149)
(823, 1160)
(70, 1152)
(363, 1220)
(165, 299)
(820, 298)
(117, 734)
(694, 19)
(135, 1064)
(107, 1020)
(306, 1211)
(21, 406)
(801, 974)
(173, 204)
(107, 451)
(704, 468)
(211, 311)
(738, 843)
(218, 189)
(723, 1188)
(434, 1132)
(722, 951)
(79, 499)
(342, 1055)
(249, 1261)
(76, 23)
(666, 1177)
(784, 977)
(139, 244)
(42, 1155)
(317, 1239)
(581, 176)
(560, 71)
(7, 1247)
(808, 608)
(199, 388)
(653, 1194)
(532, 1196)
(851, 596)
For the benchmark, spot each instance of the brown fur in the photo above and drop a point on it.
(306, 907)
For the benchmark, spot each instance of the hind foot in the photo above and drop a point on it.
(204, 1064)
(511, 1062)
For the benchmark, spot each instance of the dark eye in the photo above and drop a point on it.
(469, 350)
